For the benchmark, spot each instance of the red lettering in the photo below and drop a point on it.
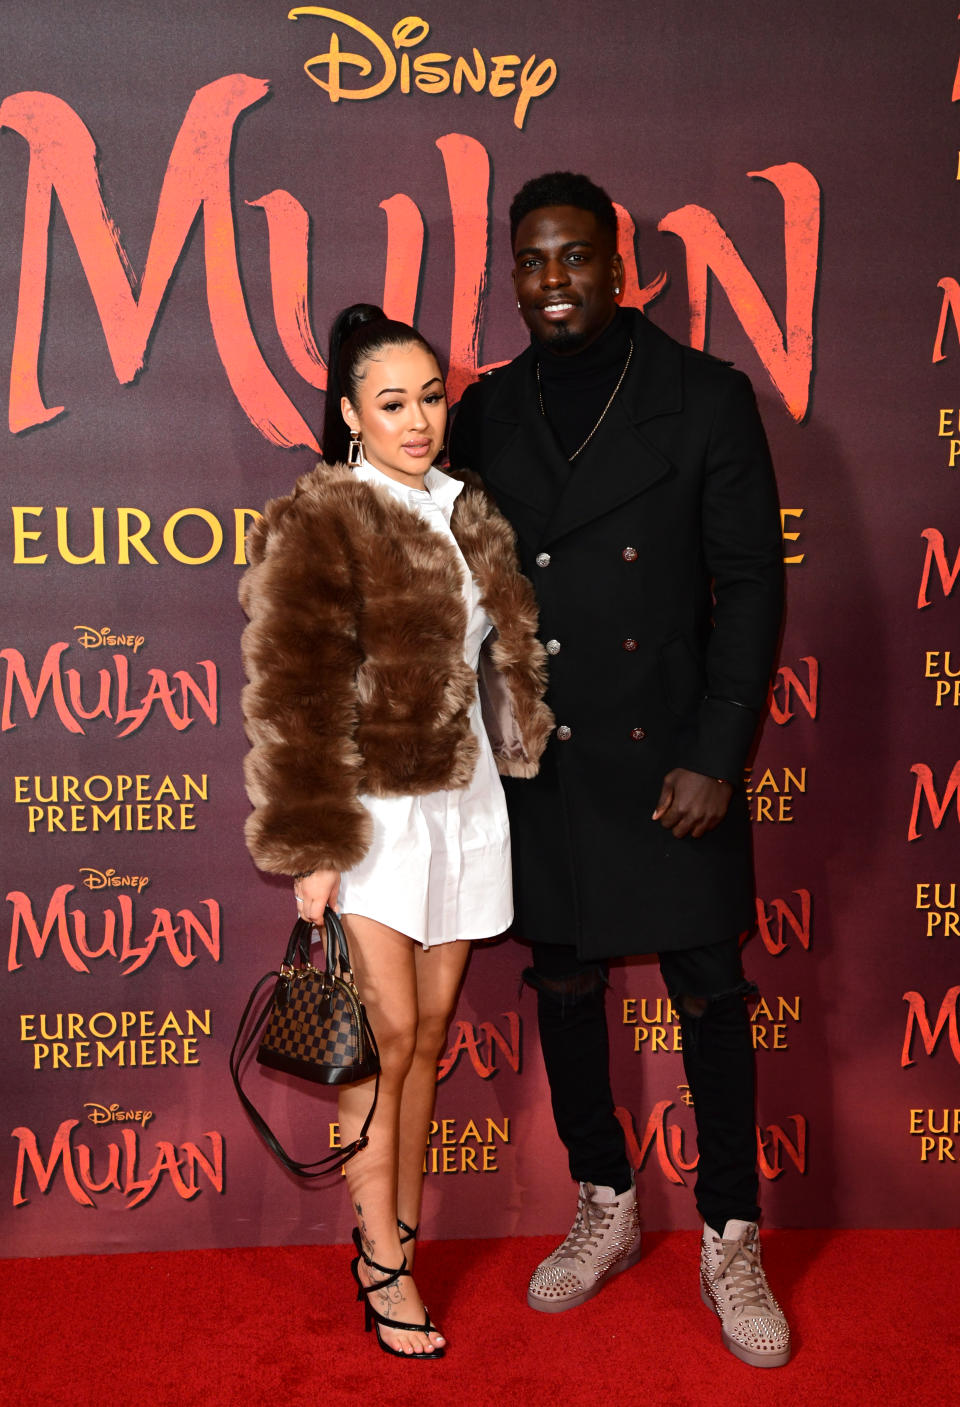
(917, 1021)
(288, 237)
(167, 1161)
(949, 307)
(936, 553)
(632, 295)
(925, 790)
(50, 677)
(787, 359)
(193, 928)
(774, 1138)
(56, 914)
(467, 168)
(787, 683)
(404, 257)
(509, 1049)
(465, 1040)
(60, 1152)
(781, 912)
(183, 1166)
(655, 1133)
(670, 1152)
(63, 159)
(198, 181)
(479, 1045)
(85, 1166)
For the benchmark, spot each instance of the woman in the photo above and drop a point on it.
(379, 592)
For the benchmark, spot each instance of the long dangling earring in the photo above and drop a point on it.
(355, 457)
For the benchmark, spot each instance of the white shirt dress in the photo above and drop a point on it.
(438, 868)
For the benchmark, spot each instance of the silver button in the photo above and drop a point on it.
(543, 559)
(629, 554)
(553, 647)
(637, 734)
(564, 734)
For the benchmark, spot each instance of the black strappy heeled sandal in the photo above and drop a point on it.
(407, 1233)
(371, 1317)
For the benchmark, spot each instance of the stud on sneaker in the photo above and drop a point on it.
(732, 1283)
(603, 1240)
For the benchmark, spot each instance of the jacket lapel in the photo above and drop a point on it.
(623, 460)
(526, 465)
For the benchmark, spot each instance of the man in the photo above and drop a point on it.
(636, 474)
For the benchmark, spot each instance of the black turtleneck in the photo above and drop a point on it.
(576, 387)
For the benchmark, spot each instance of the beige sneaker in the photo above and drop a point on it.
(603, 1240)
(733, 1284)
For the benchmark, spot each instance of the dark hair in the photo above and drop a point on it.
(358, 332)
(562, 188)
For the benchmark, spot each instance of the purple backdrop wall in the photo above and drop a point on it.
(793, 177)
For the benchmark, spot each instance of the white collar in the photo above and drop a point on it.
(437, 485)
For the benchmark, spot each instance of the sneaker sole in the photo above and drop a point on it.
(746, 1355)
(558, 1306)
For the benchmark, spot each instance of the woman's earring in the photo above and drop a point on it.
(355, 457)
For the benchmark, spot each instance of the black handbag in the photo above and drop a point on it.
(315, 1027)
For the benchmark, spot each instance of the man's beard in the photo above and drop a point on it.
(562, 340)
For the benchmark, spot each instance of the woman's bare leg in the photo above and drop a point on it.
(384, 964)
(439, 972)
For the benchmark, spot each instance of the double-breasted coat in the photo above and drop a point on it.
(657, 563)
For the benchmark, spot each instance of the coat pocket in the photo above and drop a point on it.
(682, 677)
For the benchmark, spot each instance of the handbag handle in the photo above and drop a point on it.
(299, 947)
(335, 947)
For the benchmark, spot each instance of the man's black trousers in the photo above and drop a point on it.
(708, 989)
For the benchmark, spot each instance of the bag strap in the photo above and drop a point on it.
(338, 956)
(298, 947)
(241, 1048)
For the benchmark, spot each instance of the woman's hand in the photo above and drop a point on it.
(314, 892)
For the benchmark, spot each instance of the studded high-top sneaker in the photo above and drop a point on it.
(732, 1283)
(603, 1240)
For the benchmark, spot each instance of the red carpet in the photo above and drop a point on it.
(875, 1314)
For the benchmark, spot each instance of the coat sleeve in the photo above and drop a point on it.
(300, 653)
(743, 551)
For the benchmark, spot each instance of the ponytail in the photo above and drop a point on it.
(357, 333)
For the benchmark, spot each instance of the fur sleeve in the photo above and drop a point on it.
(300, 654)
(523, 721)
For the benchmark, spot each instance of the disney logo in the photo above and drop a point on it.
(116, 1114)
(91, 637)
(431, 72)
(109, 879)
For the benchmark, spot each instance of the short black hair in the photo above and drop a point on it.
(562, 188)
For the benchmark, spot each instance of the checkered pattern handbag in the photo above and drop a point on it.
(315, 1027)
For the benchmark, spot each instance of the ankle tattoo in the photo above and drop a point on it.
(365, 1237)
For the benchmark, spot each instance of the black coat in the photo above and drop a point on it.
(658, 572)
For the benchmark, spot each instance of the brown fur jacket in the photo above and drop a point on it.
(354, 656)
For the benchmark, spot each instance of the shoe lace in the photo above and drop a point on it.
(589, 1225)
(741, 1273)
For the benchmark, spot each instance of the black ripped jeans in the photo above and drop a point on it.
(707, 987)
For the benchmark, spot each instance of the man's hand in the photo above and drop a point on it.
(690, 803)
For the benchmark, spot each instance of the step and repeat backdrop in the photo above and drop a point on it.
(188, 194)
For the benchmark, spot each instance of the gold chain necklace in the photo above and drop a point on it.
(613, 396)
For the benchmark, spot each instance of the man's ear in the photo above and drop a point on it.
(619, 277)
